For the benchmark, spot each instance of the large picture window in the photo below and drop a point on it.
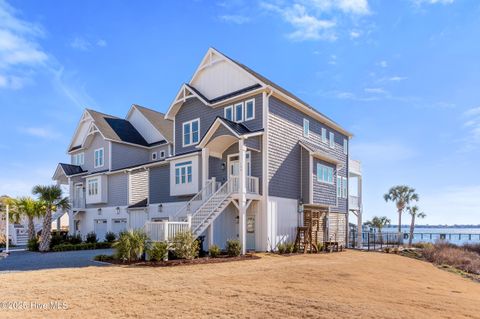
(191, 132)
(183, 173)
(92, 187)
(324, 173)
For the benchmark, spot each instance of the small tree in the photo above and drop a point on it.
(401, 195)
(414, 213)
(131, 245)
(52, 197)
(185, 246)
(378, 223)
(31, 209)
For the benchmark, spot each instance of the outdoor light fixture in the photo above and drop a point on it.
(223, 166)
(118, 210)
(160, 208)
(99, 211)
(300, 206)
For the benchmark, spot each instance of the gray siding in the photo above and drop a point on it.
(305, 182)
(324, 193)
(285, 130)
(117, 191)
(124, 155)
(97, 142)
(194, 108)
(159, 185)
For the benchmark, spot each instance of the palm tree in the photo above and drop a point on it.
(401, 195)
(378, 222)
(413, 211)
(51, 196)
(30, 208)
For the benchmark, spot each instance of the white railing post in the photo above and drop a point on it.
(7, 230)
(189, 221)
(165, 230)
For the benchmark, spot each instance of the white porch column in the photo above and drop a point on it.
(242, 199)
(205, 160)
(210, 236)
(360, 211)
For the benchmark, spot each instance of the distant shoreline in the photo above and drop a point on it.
(436, 226)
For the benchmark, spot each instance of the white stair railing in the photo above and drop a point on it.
(165, 230)
(201, 197)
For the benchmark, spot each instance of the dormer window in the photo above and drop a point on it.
(78, 159)
(239, 112)
(250, 110)
(162, 154)
(332, 140)
(154, 156)
(228, 113)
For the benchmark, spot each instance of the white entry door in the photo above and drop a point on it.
(100, 228)
(137, 219)
(234, 165)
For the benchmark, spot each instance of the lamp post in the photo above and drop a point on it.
(7, 230)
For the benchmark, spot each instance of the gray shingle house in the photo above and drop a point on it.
(235, 156)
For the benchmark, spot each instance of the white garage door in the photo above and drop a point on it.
(137, 219)
(100, 228)
(119, 225)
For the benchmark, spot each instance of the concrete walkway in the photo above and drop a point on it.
(27, 260)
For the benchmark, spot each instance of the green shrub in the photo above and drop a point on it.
(234, 248)
(214, 251)
(282, 248)
(74, 239)
(103, 258)
(131, 245)
(110, 237)
(57, 239)
(290, 247)
(185, 246)
(158, 251)
(320, 246)
(84, 246)
(91, 237)
(32, 244)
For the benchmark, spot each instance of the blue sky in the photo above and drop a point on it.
(403, 76)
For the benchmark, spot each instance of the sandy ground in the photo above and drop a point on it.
(342, 285)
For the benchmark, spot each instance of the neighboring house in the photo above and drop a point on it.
(235, 156)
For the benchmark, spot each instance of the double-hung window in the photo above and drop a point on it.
(324, 135)
(344, 187)
(228, 113)
(324, 173)
(78, 159)
(183, 173)
(99, 157)
(239, 112)
(249, 110)
(92, 187)
(345, 146)
(191, 132)
(332, 140)
(306, 128)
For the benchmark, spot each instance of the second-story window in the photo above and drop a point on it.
(324, 173)
(98, 157)
(344, 187)
(228, 113)
(332, 140)
(324, 135)
(183, 173)
(162, 154)
(78, 159)
(306, 127)
(239, 112)
(154, 156)
(345, 146)
(339, 186)
(191, 132)
(92, 186)
(249, 110)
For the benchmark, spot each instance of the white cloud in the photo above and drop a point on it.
(397, 78)
(317, 19)
(383, 64)
(472, 125)
(11, 82)
(237, 19)
(101, 43)
(18, 41)
(82, 44)
(375, 91)
(354, 34)
(420, 2)
(40, 132)
(333, 59)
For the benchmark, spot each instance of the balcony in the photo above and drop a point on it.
(353, 202)
(355, 167)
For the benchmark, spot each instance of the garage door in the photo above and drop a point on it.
(119, 225)
(100, 228)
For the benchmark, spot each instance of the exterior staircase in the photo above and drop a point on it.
(211, 207)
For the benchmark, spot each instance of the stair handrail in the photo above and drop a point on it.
(209, 189)
(230, 186)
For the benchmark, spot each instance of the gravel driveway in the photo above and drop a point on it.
(26, 260)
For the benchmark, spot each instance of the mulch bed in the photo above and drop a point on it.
(184, 262)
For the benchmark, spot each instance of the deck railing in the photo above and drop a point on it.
(201, 197)
(166, 230)
(251, 184)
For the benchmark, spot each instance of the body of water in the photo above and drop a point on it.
(456, 235)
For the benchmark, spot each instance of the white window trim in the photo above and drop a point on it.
(307, 122)
(324, 135)
(162, 156)
(339, 187)
(248, 162)
(76, 159)
(95, 157)
(235, 112)
(321, 180)
(331, 139)
(345, 146)
(90, 182)
(186, 173)
(154, 156)
(344, 188)
(191, 132)
(245, 110)
(225, 112)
